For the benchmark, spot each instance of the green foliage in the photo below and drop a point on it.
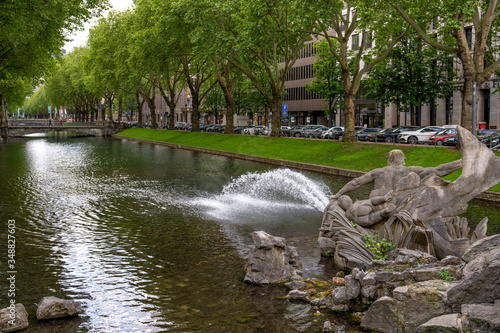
(378, 246)
(267, 42)
(412, 75)
(373, 22)
(445, 275)
(33, 33)
(467, 29)
(36, 105)
(67, 85)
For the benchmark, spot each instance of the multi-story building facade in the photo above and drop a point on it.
(305, 107)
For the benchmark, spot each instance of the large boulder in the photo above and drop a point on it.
(271, 260)
(13, 318)
(411, 307)
(483, 245)
(450, 323)
(382, 316)
(480, 281)
(474, 318)
(481, 317)
(52, 307)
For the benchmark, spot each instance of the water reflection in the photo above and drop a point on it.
(152, 239)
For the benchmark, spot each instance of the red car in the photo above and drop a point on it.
(439, 137)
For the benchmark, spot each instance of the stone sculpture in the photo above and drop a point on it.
(413, 206)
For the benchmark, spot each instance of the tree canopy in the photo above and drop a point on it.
(33, 34)
(163, 47)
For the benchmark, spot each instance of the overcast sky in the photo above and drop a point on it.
(80, 37)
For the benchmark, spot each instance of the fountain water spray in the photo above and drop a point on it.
(267, 193)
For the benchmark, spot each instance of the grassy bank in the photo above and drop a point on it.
(352, 156)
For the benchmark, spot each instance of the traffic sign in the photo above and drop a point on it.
(284, 110)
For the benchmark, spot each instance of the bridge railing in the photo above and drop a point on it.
(47, 123)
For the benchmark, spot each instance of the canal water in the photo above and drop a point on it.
(154, 239)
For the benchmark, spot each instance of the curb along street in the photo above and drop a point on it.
(489, 196)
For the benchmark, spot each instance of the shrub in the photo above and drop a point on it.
(378, 246)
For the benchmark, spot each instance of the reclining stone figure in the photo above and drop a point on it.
(412, 205)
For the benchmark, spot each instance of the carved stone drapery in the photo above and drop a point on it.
(413, 206)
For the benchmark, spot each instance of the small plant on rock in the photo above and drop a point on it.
(378, 246)
(445, 275)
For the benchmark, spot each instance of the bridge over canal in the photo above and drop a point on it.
(25, 127)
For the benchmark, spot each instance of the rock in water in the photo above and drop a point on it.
(13, 318)
(271, 260)
(53, 307)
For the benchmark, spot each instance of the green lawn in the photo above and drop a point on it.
(352, 156)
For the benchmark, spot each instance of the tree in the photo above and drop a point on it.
(373, 33)
(174, 28)
(103, 68)
(468, 29)
(328, 79)
(67, 85)
(33, 33)
(213, 27)
(268, 40)
(214, 102)
(411, 76)
(36, 106)
(125, 76)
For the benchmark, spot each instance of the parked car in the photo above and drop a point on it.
(285, 130)
(265, 131)
(296, 129)
(333, 133)
(362, 135)
(451, 140)
(179, 125)
(131, 123)
(483, 134)
(314, 131)
(253, 130)
(492, 141)
(248, 130)
(438, 138)
(420, 135)
(390, 135)
(259, 130)
(239, 129)
(213, 128)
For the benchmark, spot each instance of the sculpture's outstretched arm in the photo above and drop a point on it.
(441, 170)
(356, 183)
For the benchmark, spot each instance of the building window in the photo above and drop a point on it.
(342, 24)
(355, 42)
(369, 40)
(468, 36)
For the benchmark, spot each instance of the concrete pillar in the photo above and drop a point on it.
(457, 107)
(494, 109)
(441, 112)
(425, 115)
(390, 116)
